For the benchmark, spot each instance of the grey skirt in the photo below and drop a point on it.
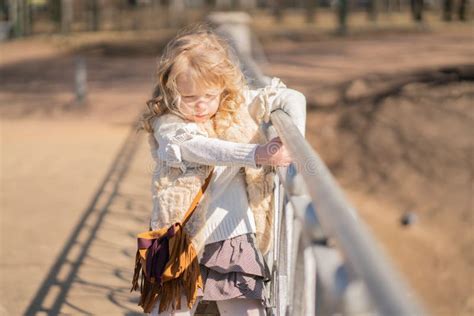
(234, 268)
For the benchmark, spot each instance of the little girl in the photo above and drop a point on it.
(202, 115)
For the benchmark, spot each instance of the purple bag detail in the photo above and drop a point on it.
(157, 254)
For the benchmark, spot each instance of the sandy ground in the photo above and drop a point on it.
(46, 140)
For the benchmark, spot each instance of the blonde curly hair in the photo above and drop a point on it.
(212, 64)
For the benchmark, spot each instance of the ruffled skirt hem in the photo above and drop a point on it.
(234, 268)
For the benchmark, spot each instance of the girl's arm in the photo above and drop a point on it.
(212, 151)
(276, 95)
(176, 143)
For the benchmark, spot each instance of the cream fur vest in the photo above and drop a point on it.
(177, 190)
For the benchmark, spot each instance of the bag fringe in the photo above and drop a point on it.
(181, 272)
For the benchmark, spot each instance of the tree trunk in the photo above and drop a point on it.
(417, 10)
(66, 15)
(310, 10)
(55, 10)
(342, 16)
(27, 16)
(447, 10)
(94, 15)
(20, 15)
(13, 16)
(223, 4)
(372, 10)
(247, 4)
(462, 10)
(176, 13)
(277, 10)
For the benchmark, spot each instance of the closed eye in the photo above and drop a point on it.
(190, 97)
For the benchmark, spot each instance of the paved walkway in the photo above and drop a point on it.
(81, 260)
(92, 274)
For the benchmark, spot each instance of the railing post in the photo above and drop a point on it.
(80, 80)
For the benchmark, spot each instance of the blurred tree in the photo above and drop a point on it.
(13, 16)
(55, 10)
(20, 16)
(417, 10)
(176, 10)
(27, 17)
(372, 10)
(342, 10)
(121, 8)
(223, 4)
(247, 4)
(3, 10)
(447, 10)
(397, 5)
(94, 15)
(462, 10)
(277, 10)
(66, 15)
(310, 10)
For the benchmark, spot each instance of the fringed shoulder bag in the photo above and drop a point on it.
(168, 264)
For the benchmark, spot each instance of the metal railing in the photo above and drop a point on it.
(364, 282)
(311, 275)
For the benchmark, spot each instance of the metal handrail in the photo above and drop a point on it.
(313, 207)
(338, 219)
(335, 217)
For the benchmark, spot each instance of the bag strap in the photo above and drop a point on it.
(197, 198)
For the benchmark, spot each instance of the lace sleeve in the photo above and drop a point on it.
(169, 138)
(183, 145)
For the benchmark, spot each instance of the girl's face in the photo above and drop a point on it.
(197, 105)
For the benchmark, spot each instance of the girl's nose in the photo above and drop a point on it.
(201, 105)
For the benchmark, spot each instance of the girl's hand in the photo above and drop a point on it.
(272, 153)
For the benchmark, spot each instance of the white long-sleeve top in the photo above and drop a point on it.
(183, 145)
